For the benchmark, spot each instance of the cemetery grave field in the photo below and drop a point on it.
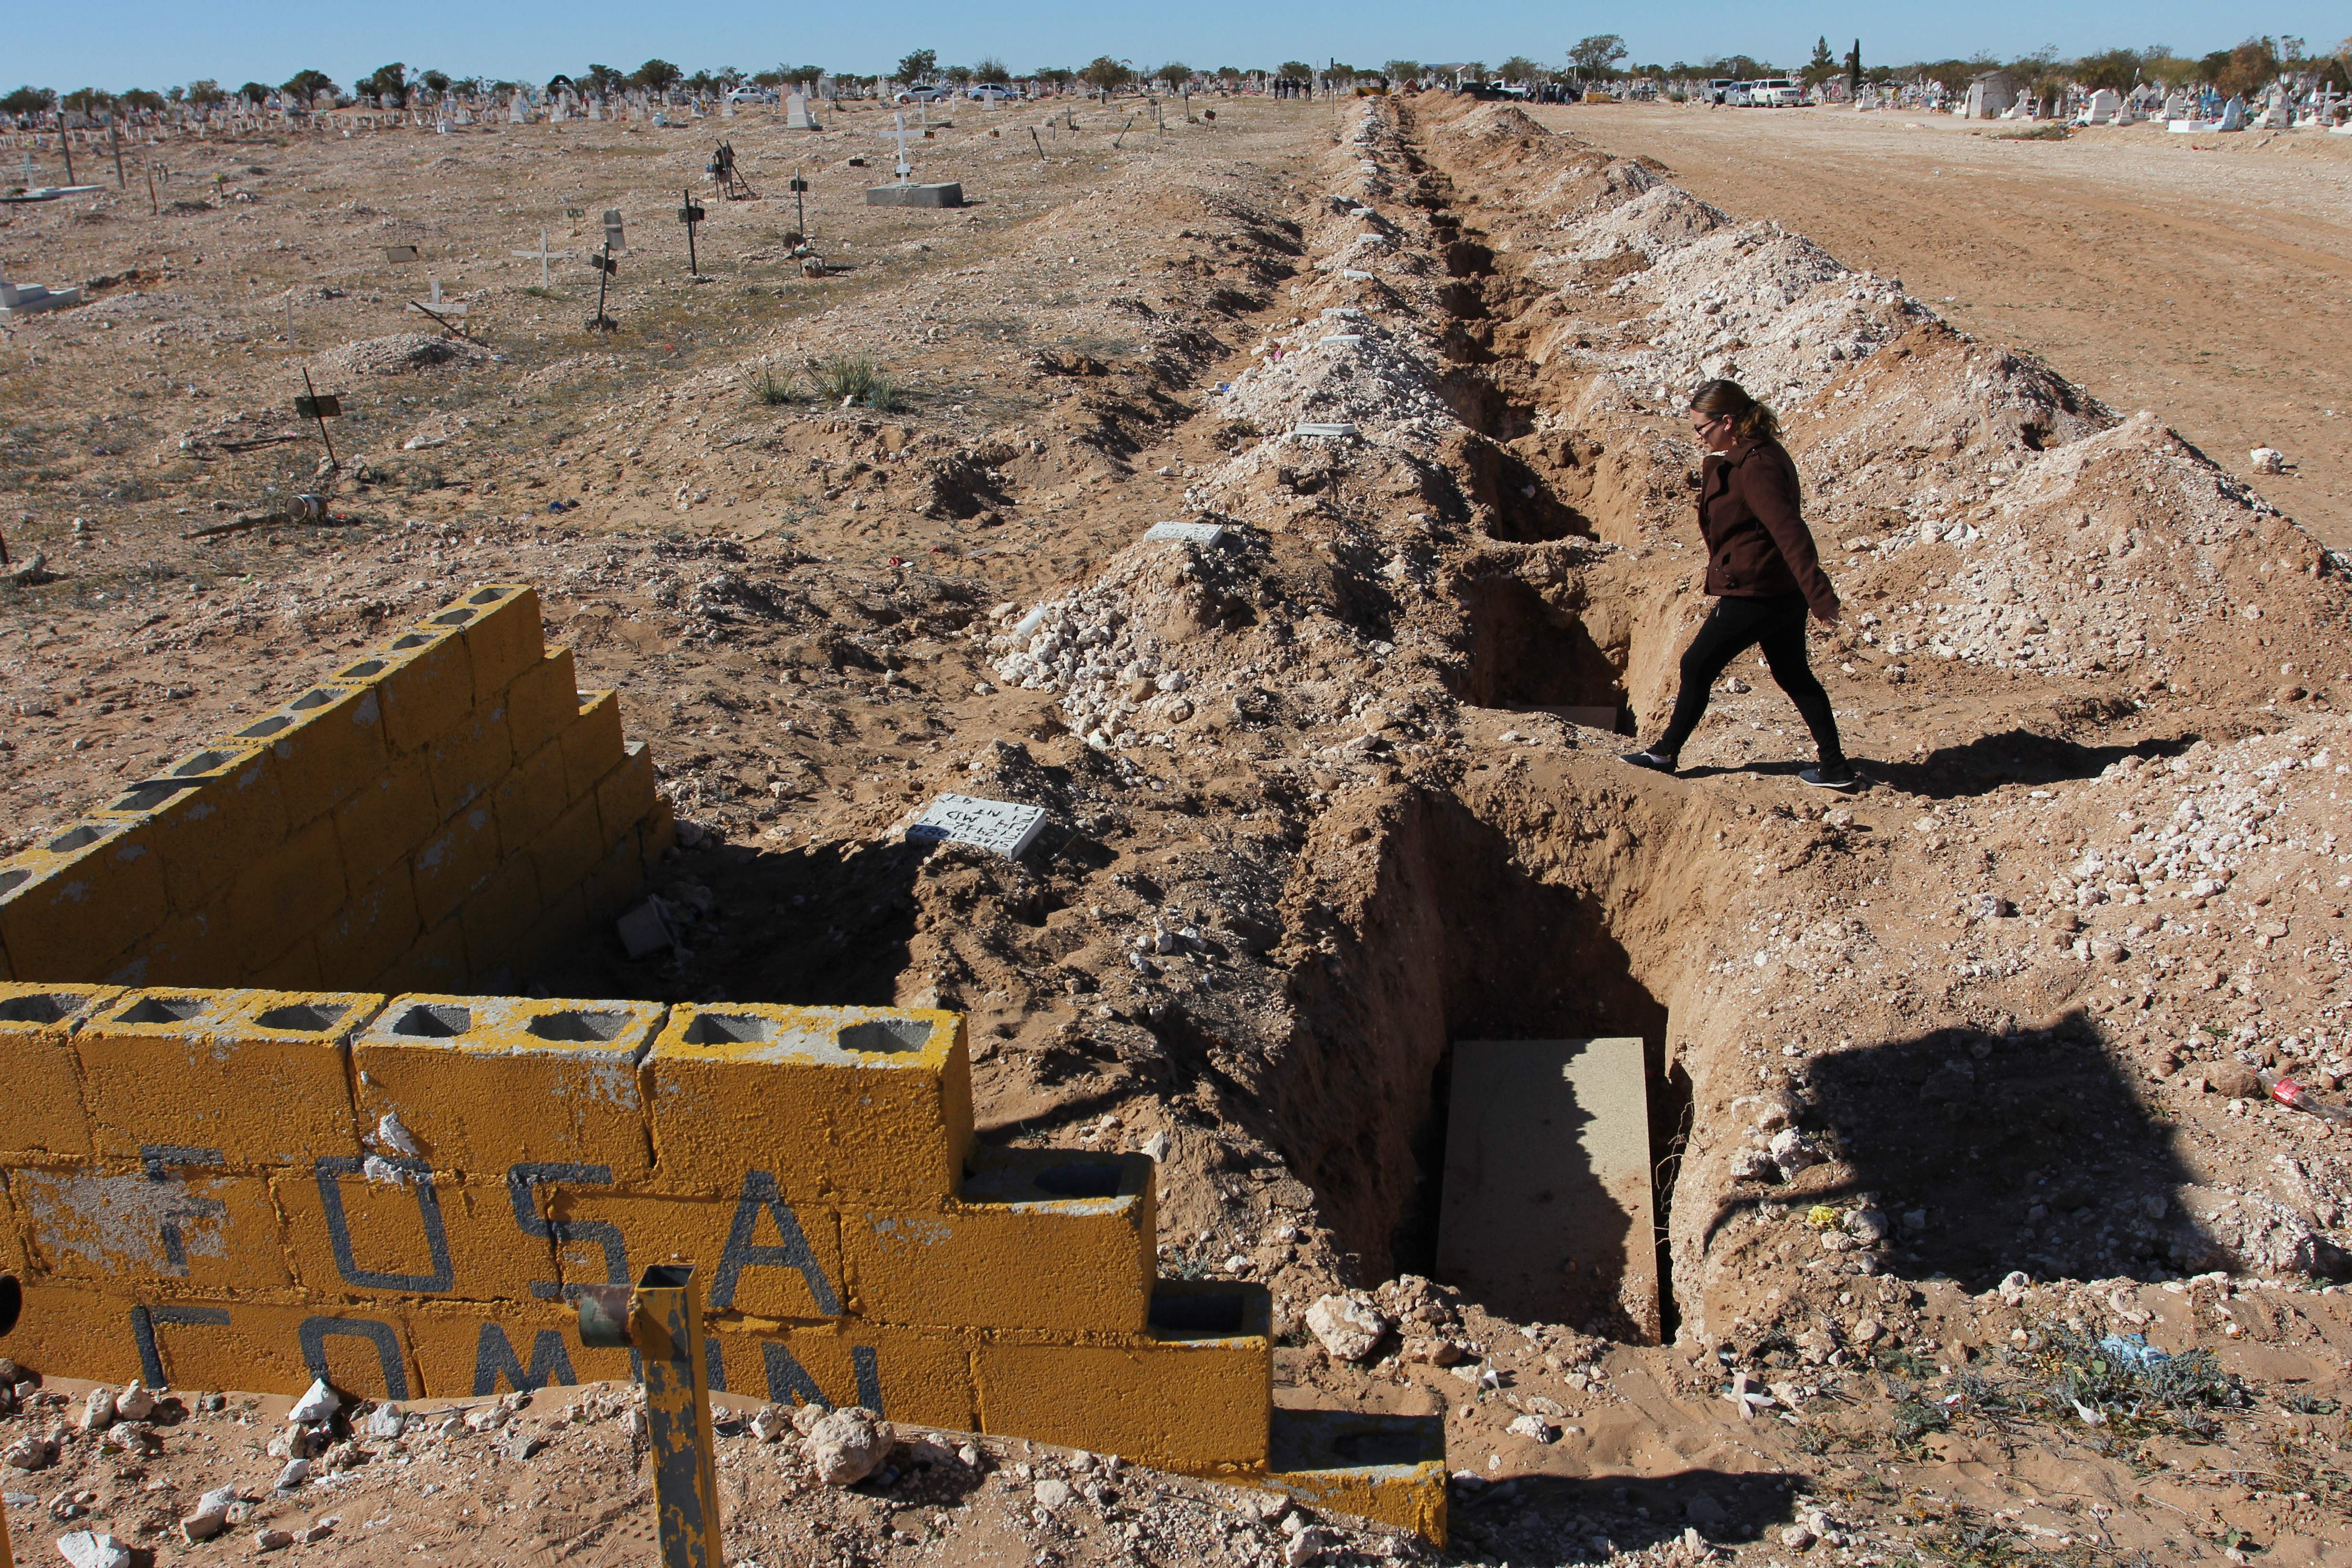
(1938, 1085)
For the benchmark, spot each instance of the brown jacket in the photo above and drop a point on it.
(1758, 545)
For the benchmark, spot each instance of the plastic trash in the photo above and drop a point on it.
(2133, 1350)
(2294, 1096)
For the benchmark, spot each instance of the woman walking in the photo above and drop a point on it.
(1764, 572)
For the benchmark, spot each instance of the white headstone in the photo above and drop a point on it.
(2101, 109)
(517, 112)
(2233, 115)
(797, 112)
(1007, 827)
(1185, 533)
(727, 106)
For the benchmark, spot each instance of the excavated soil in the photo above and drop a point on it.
(1949, 1079)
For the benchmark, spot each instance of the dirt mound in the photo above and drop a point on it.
(402, 353)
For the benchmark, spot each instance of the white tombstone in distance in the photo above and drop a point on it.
(2101, 109)
(2233, 115)
(797, 112)
(595, 109)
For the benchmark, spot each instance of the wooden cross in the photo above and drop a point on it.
(544, 255)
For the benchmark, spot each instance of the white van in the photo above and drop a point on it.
(1775, 92)
(1719, 89)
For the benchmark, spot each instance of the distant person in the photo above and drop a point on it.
(1764, 572)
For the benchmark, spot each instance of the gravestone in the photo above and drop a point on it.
(2233, 115)
(797, 112)
(518, 111)
(2102, 106)
(1185, 533)
(1007, 827)
(31, 299)
(1330, 429)
(544, 255)
(614, 241)
(947, 193)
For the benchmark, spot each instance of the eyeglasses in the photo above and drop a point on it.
(1707, 421)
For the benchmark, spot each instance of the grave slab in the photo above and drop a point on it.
(1005, 826)
(1185, 533)
(947, 193)
(1546, 1212)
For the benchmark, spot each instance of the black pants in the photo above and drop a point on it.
(1777, 626)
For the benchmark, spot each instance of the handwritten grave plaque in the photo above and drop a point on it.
(1005, 826)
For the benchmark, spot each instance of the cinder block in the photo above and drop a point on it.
(464, 1351)
(486, 1083)
(543, 701)
(531, 798)
(172, 1224)
(287, 894)
(186, 950)
(500, 920)
(72, 903)
(40, 1079)
(12, 1243)
(360, 939)
(1386, 1468)
(624, 795)
(384, 823)
(435, 963)
(358, 1347)
(756, 1253)
(453, 861)
(870, 1104)
(295, 969)
(500, 625)
(426, 1233)
(423, 681)
(68, 1330)
(210, 816)
(260, 1076)
(1191, 1396)
(1042, 1238)
(571, 847)
(657, 834)
(924, 1380)
(469, 758)
(592, 743)
(615, 878)
(323, 746)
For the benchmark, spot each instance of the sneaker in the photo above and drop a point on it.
(1656, 762)
(1827, 777)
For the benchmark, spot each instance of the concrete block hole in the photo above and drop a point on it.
(573, 1026)
(49, 1007)
(1081, 1178)
(80, 838)
(10, 881)
(880, 1036)
(434, 1020)
(161, 1010)
(308, 1018)
(204, 762)
(728, 1028)
(147, 797)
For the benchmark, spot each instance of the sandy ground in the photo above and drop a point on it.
(2203, 276)
(1968, 1061)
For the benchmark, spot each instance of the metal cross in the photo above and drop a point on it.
(544, 255)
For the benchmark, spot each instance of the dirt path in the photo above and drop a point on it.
(2201, 277)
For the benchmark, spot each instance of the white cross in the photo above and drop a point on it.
(905, 168)
(544, 255)
(437, 294)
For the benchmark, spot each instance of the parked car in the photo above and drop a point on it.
(991, 92)
(742, 95)
(1775, 92)
(1719, 89)
(926, 95)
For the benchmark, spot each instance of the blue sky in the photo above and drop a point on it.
(155, 43)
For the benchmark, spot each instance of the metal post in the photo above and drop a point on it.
(65, 145)
(318, 412)
(661, 1320)
(114, 131)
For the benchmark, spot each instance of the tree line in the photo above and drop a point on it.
(2245, 68)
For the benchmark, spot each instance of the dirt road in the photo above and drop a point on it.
(2202, 277)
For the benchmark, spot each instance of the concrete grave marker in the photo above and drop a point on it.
(1185, 533)
(613, 239)
(30, 298)
(1005, 826)
(1332, 429)
(398, 253)
(1546, 1212)
(797, 112)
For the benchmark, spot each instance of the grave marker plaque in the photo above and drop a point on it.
(1007, 827)
(1185, 533)
(398, 253)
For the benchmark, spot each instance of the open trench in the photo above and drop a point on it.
(1523, 903)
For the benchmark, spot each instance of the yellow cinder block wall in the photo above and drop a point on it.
(439, 812)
